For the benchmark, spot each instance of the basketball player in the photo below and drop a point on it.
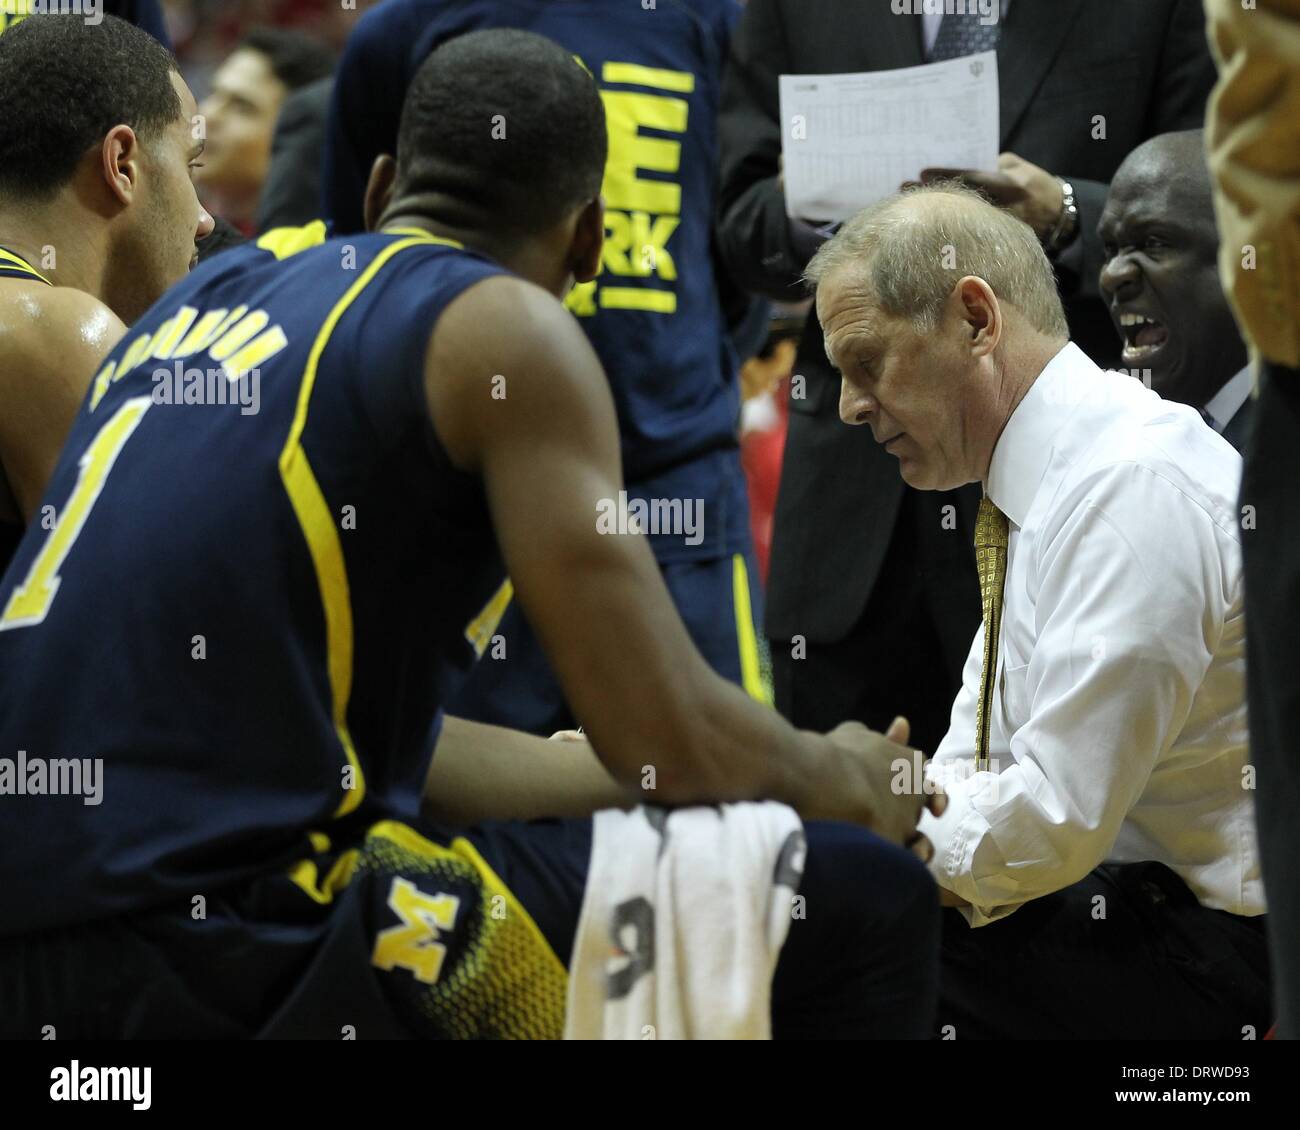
(97, 218)
(280, 507)
(654, 315)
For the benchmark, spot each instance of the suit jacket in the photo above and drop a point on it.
(1237, 430)
(1144, 67)
(291, 195)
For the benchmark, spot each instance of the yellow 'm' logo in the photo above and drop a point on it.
(414, 945)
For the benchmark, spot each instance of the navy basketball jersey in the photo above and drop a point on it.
(653, 314)
(260, 581)
(13, 266)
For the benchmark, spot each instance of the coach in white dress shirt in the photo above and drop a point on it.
(1114, 815)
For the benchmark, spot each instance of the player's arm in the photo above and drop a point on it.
(54, 340)
(546, 446)
(484, 772)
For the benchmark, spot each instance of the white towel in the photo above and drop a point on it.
(683, 918)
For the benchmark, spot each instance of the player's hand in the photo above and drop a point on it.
(567, 736)
(880, 791)
(1028, 192)
(935, 800)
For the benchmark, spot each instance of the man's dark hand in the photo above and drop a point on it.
(876, 789)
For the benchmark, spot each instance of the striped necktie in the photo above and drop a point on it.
(991, 562)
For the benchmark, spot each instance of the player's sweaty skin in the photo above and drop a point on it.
(51, 340)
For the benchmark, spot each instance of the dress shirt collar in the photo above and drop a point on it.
(1023, 449)
(1225, 403)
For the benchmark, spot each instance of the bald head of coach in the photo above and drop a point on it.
(932, 359)
(1096, 753)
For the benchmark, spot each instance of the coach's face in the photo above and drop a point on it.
(912, 388)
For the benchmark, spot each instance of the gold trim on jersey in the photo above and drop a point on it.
(321, 531)
(9, 259)
(480, 630)
(751, 671)
(283, 242)
(305, 874)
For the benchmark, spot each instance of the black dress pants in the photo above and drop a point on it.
(1125, 953)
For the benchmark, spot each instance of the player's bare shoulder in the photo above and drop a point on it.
(499, 315)
(51, 340)
(506, 343)
(44, 328)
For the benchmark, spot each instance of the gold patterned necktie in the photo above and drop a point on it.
(991, 562)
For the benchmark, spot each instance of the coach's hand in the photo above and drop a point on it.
(880, 791)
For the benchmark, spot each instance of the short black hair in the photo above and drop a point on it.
(507, 123)
(295, 59)
(64, 84)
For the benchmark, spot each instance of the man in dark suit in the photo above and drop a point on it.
(291, 193)
(873, 596)
(1161, 284)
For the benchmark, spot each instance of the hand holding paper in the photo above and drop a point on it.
(851, 139)
(1029, 193)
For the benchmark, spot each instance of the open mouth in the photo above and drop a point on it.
(1143, 337)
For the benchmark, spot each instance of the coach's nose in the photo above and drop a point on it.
(856, 406)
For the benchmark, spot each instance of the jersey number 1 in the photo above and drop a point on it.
(31, 600)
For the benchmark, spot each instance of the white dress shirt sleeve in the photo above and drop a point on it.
(1125, 600)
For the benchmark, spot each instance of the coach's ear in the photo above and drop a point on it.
(588, 239)
(379, 190)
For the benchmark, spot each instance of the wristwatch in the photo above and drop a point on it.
(1067, 227)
